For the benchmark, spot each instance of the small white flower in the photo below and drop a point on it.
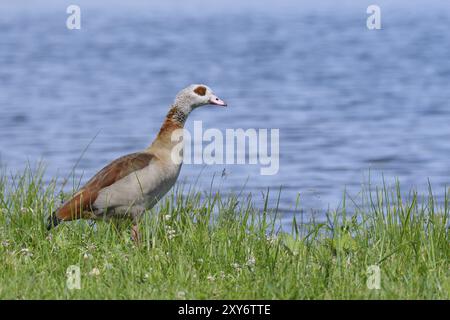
(181, 294)
(26, 252)
(271, 239)
(236, 266)
(171, 233)
(167, 217)
(211, 277)
(251, 261)
(94, 272)
(87, 256)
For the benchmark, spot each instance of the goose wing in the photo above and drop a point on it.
(84, 199)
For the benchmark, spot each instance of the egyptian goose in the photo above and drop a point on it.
(136, 182)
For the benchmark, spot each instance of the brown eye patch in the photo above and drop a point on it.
(200, 90)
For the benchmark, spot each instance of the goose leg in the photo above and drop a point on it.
(135, 234)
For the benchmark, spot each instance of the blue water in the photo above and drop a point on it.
(348, 101)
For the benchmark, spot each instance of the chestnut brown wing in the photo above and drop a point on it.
(84, 199)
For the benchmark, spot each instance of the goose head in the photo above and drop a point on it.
(197, 95)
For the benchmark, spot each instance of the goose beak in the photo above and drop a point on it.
(217, 101)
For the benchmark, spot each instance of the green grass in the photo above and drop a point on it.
(216, 247)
